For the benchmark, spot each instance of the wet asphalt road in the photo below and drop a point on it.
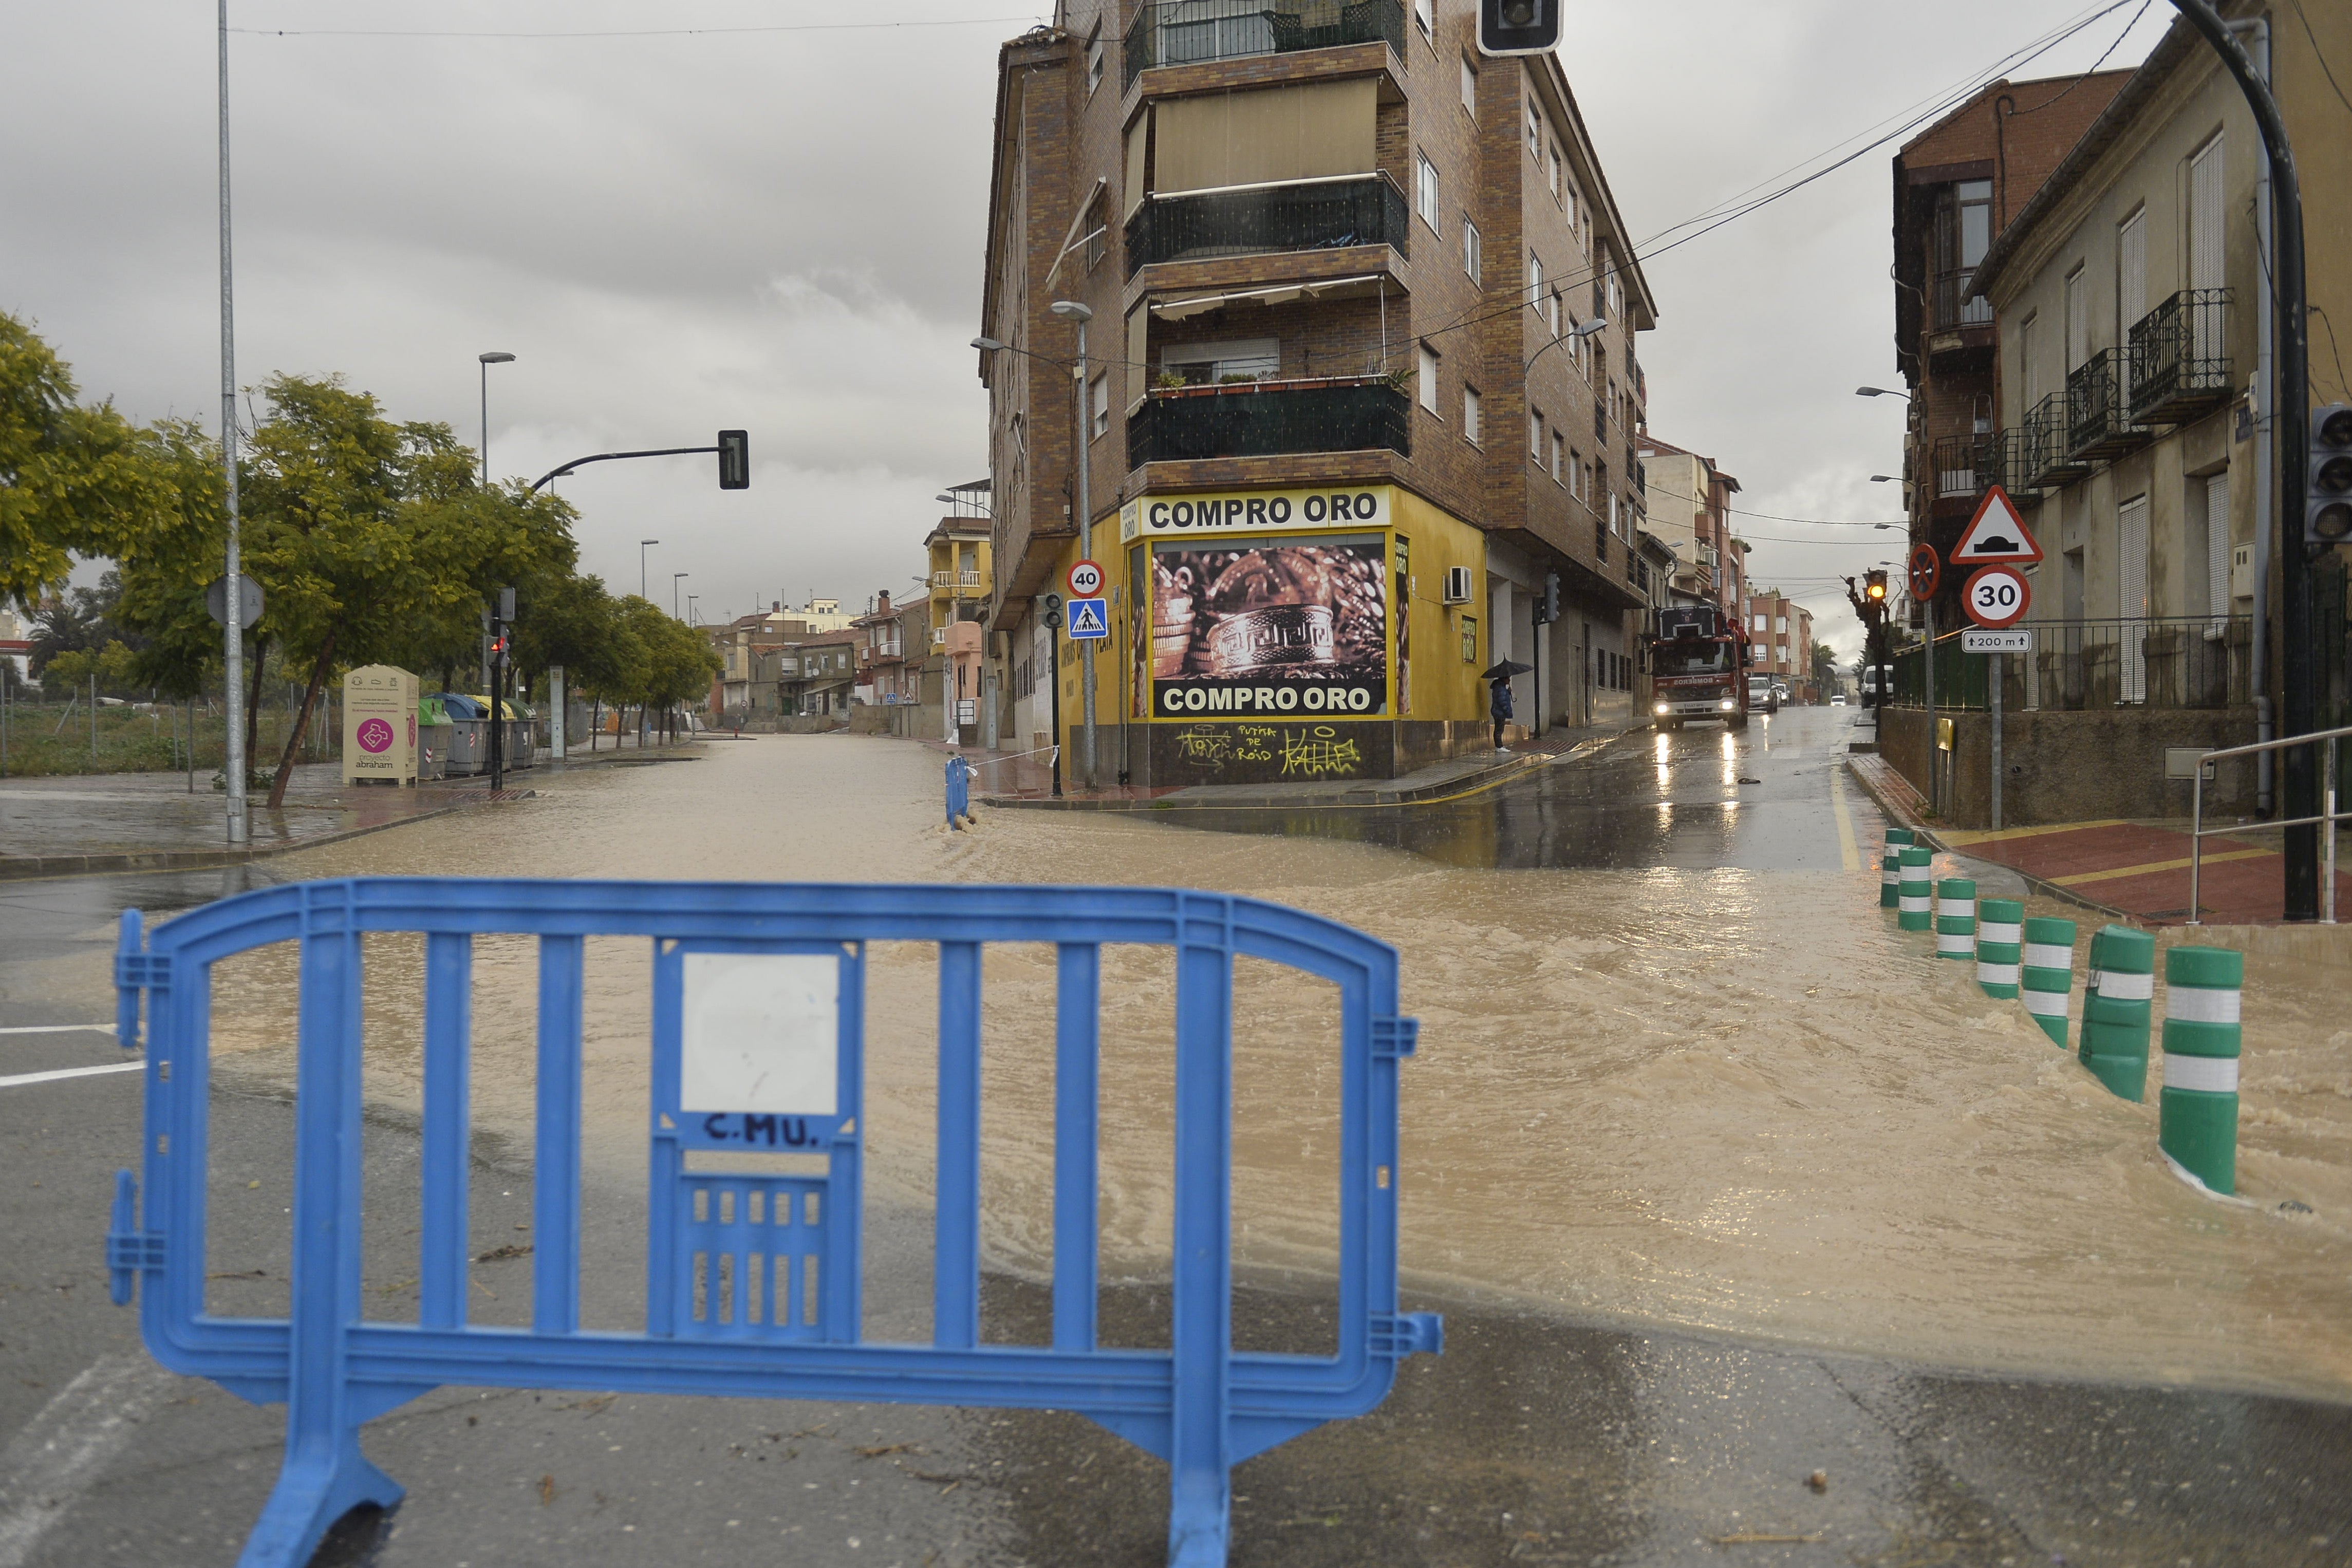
(1536, 1438)
(1765, 799)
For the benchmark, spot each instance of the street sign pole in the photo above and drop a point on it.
(1934, 768)
(1993, 668)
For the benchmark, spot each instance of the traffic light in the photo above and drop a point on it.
(1551, 602)
(2328, 488)
(734, 460)
(1874, 586)
(1518, 26)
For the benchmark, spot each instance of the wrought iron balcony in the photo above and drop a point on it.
(1966, 465)
(2046, 458)
(1187, 32)
(1305, 215)
(1267, 418)
(2180, 357)
(2098, 412)
(1955, 305)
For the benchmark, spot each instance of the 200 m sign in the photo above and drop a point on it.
(1996, 596)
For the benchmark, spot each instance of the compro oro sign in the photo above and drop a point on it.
(1251, 511)
(1269, 627)
(380, 725)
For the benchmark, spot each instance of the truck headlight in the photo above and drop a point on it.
(1725, 705)
(1661, 707)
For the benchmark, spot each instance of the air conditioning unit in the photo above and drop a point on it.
(1457, 584)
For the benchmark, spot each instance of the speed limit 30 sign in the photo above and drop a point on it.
(1996, 596)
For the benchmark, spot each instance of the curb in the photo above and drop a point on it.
(1895, 811)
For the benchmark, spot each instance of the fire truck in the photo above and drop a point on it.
(1696, 658)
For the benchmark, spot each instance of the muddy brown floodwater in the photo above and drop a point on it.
(1722, 1100)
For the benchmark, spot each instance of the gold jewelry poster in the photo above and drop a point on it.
(1289, 629)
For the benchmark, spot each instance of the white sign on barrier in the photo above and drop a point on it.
(1976, 639)
(761, 1032)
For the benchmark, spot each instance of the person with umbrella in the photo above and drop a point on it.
(1497, 678)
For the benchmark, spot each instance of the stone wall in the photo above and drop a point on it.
(2072, 766)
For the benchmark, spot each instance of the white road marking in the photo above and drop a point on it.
(59, 1029)
(20, 1079)
(48, 1466)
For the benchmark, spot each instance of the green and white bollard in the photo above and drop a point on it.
(2198, 1107)
(2046, 973)
(1955, 917)
(1999, 925)
(2117, 1009)
(1916, 911)
(1890, 867)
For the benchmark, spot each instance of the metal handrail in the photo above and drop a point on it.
(2329, 814)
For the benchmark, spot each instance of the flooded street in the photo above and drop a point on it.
(1677, 1068)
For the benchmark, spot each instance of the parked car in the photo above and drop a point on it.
(1763, 696)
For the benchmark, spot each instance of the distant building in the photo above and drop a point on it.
(1781, 631)
(1688, 505)
(883, 668)
(960, 556)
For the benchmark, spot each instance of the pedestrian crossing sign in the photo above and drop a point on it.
(1088, 619)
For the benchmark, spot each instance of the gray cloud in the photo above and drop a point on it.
(784, 231)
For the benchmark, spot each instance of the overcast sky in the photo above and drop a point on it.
(782, 230)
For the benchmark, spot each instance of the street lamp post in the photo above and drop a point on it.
(675, 578)
(642, 545)
(496, 356)
(233, 763)
(1071, 310)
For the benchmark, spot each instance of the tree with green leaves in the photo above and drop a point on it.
(74, 479)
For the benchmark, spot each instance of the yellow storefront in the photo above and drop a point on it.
(1283, 636)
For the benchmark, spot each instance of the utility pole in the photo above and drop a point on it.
(2290, 410)
(233, 763)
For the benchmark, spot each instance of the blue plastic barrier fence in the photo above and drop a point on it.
(751, 1280)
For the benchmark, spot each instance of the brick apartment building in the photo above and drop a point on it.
(1688, 500)
(1340, 429)
(1957, 184)
(1781, 631)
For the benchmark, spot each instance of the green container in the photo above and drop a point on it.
(1890, 867)
(2000, 944)
(2117, 1007)
(1916, 911)
(2046, 973)
(2198, 1107)
(1955, 917)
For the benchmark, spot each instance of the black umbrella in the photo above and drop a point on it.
(1503, 669)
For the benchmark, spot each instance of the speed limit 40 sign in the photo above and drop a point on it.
(1086, 580)
(1996, 596)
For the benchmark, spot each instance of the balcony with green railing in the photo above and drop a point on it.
(1189, 32)
(2180, 357)
(1271, 418)
(1299, 215)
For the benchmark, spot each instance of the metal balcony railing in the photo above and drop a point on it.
(2173, 662)
(1256, 419)
(2098, 410)
(1955, 305)
(1187, 32)
(2046, 455)
(2180, 357)
(1305, 215)
(1967, 465)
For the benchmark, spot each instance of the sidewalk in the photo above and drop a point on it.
(1027, 783)
(2134, 869)
(76, 824)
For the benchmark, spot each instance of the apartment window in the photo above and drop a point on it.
(2131, 273)
(1094, 59)
(1551, 311)
(1424, 176)
(1469, 87)
(1567, 195)
(1534, 281)
(2029, 370)
(1473, 255)
(1755, 623)
(2078, 319)
(1780, 627)
(2207, 219)
(1215, 364)
(1469, 639)
(1557, 446)
(1428, 378)
(1576, 474)
(1552, 170)
(1535, 436)
(1535, 131)
(1098, 403)
(1421, 14)
(1470, 427)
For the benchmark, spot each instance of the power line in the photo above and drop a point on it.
(625, 33)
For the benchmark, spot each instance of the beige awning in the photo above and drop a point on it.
(1281, 294)
(1264, 135)
(1139, 141)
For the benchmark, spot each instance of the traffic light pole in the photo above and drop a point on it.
(2289, 398)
